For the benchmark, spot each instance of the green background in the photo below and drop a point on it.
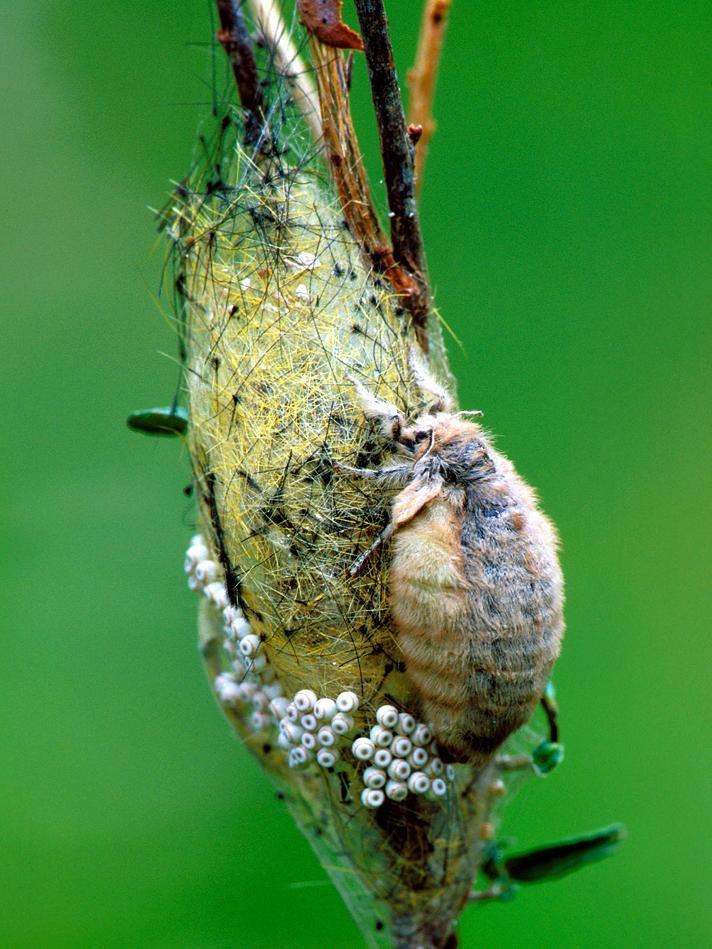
(566, 212)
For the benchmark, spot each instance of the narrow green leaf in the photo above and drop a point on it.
(161, 421)
(566, 856)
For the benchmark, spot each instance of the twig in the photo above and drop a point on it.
(514, 762)
(342, 148)
(396, 145)
(551, 710)
(349, 175)
(422, 79)
(236, 42)
(495, 892)
(275, 34)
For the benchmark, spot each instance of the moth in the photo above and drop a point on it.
(475, 586)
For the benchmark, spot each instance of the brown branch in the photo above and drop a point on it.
(235, 40)
(396, 146)
(423, 77)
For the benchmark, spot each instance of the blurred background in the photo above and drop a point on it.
(567, 217)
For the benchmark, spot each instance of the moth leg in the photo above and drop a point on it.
(393, 476)
(390, 421)
(381, 539)
(440, 398)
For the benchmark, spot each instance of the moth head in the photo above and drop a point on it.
(452, 447)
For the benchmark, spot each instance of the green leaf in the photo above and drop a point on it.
(566, 856)
(169, 421)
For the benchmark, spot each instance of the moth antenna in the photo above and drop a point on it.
(430, 446)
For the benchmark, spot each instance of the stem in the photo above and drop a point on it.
(235, 40)
(423, 77)
(277, 38)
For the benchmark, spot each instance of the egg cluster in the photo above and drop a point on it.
(316, 729)
(401, 758)
(398, 754)
(250, 684)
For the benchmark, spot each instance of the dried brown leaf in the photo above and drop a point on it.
(323, 19)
